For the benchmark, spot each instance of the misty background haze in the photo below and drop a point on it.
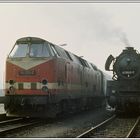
(91, 30)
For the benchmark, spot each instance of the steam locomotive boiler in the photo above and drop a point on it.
(43, 80)
(123, 92)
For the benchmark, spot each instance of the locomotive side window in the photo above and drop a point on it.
(20, 50)
(79, 60)
(87, 65)
(93, 66)
(54, 50)
(83, 62)
(39, 50)
(61, 52)
(51, 50)
(68, 55)
(75, 57)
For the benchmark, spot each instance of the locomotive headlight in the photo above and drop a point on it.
(44, 82)
(11, 89)
(45, 88)
(11, 82)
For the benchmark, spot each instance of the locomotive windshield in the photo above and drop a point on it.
(39, 50)
(20, 50)
(32, 50)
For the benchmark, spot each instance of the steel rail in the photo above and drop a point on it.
(7, 129)
(131, 132)
(15, 124)
(10, 121)
(87, 133)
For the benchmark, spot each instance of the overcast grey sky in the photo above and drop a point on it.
(91, 30)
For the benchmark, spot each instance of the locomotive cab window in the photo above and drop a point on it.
(30, 49)
(39, 50)
(19, 50)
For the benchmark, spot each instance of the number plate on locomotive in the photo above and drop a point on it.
(128, 72)
(27, 72)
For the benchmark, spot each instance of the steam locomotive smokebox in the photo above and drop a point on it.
(127, 64)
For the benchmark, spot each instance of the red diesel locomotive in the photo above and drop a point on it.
(43, 79)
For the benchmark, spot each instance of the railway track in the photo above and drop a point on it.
(15, 124)
(3, 117)
(114, 127)
(89, 132)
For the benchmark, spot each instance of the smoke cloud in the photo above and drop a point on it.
(123, 38)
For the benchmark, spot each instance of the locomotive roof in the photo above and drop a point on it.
(30, 39)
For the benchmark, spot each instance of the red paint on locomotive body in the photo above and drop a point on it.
(36, 74)
(52, 78)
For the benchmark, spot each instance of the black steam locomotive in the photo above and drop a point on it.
(123, 92)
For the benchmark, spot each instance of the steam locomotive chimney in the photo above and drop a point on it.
(129, 48)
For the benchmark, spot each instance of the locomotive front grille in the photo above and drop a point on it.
(20, 86)
(33, 86)
(27, 85)
(24, 85)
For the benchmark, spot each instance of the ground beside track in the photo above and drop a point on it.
(69, 127)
